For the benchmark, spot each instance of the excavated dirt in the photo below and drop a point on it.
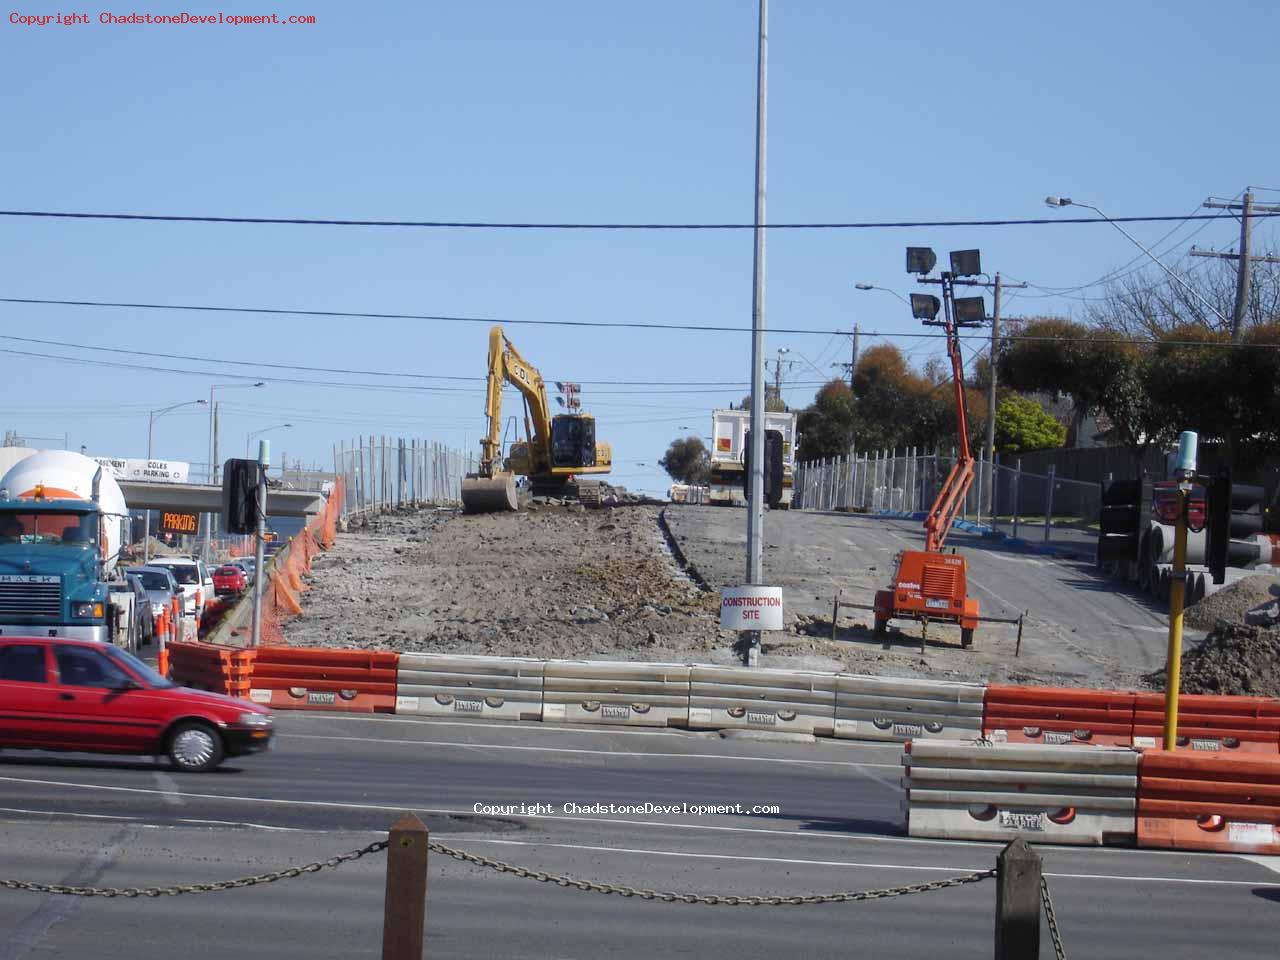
(1233, 659)
(1233, 602)
(552, 581)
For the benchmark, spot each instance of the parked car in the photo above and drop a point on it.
(248, 565)
(229, 580)
(160, 586)
(192, 577)
(86, 695)
(144, 615)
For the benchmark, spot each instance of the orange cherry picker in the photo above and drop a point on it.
(931, 585)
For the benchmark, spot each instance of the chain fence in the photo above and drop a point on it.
(1051, 919)
(387, 472)
(1041, 508)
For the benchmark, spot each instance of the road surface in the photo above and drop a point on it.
(335, 783)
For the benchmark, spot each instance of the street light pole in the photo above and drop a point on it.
(755, 483)
(152, 417)
(257, 433)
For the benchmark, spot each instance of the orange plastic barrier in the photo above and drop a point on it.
(207, 666)
(285, 585)
(1058, 715)
(1211, 723)
(303, 678)
(1189, 800)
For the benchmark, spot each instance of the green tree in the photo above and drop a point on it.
(1022, 424)
(826, 425)
(687, 460)
(772, 403)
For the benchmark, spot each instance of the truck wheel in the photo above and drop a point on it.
(966, 637)
(194, 747)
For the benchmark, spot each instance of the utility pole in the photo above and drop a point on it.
(991, 398)
(1244, 273)
(853, 360)
(755, 487)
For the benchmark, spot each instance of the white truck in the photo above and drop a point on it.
(729, 430)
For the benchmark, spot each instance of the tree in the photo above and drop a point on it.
(687, 460)
(1022, 425)
(772, 403)
(826, 425)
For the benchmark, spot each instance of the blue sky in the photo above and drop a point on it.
(571, 111)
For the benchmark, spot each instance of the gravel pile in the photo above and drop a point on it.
(1233, 602)
(1234, 659)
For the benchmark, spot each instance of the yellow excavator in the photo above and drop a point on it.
(558, 451)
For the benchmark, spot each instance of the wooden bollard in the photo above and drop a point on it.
(1018, 902)
(405, 907)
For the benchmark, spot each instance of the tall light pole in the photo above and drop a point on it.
(1068, 202)
(755, 483)
(213, 447)
(152, 417)
(257, 433)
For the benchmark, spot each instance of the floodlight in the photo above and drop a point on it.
(970, 310)
(924, 306)
(920, 260)
(965, 263)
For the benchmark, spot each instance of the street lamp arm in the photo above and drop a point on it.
(1066, 201)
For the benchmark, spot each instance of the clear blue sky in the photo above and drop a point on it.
(582, 112)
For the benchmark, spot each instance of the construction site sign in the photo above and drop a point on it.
(751, 608)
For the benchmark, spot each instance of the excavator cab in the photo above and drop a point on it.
(573, 441)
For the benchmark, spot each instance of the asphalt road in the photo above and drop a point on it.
(1082, 629)
(334, 783)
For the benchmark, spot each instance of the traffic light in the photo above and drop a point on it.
(1120, 519)
(1234, 519)
(772, 466)
(240, 496)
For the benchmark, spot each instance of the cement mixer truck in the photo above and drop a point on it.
(62, 524)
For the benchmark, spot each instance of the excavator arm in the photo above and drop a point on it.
(507, 366)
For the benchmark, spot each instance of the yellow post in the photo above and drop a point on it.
(1177, 584)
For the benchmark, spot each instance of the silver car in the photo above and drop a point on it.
(160, 586)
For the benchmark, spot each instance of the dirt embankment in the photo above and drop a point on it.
(1233, 659)
(552, 581)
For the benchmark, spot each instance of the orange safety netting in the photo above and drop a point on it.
(281, 598)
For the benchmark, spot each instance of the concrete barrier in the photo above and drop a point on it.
(1204, 801)
(888, 708)
(982, 791)
(635, 694)
(444, 685)
(740, 698)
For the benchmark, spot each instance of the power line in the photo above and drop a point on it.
(623, 325)
(492, 225)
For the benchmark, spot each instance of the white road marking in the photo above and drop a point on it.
(612, 821)
(1138, 626)
(584, 750)
(854, 864)
(1270, 863)
(81, 816)
(155, 826)
(534, 726)
(1010, 558)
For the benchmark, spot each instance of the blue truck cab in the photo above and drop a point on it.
(53, 569)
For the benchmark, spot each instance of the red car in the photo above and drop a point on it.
(86, 695)
(229, 579)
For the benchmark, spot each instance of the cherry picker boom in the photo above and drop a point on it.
(931, 584)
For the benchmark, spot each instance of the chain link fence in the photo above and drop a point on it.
(387, 472)
(1046, 509)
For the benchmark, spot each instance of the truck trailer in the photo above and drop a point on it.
(729, 429)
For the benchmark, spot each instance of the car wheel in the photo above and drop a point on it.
(195, 747)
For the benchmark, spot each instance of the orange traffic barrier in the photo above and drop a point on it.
(303, 678)
(207, 666)
(1211, 723)
(1190, 800)
(1058, 715)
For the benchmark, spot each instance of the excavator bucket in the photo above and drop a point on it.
(481, 494)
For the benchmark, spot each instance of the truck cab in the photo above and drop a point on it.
(52, 582)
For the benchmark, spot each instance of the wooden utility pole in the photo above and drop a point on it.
(1244, 257)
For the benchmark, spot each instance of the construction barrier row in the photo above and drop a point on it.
(1169, 800)
(1061, 716)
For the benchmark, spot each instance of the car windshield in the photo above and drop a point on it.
(138, 668)
(185, 574)
(152, 580)
(39, 526)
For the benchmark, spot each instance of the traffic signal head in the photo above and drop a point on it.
(1233, 519)
(240, 496)
(1119, 521)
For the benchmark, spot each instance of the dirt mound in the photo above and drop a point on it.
(1233, 602)
(1234, 659)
